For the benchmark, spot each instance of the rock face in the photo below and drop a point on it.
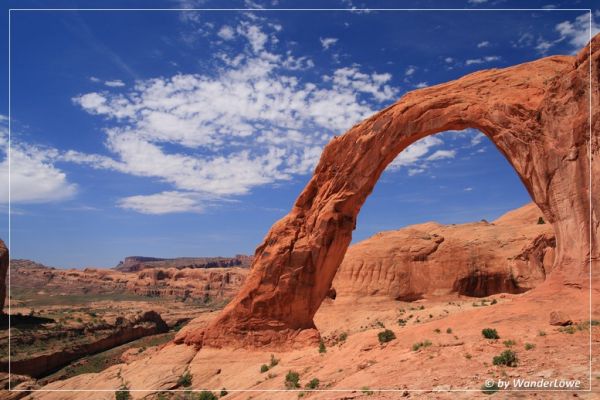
(136, 263)
(201, 283)
(3, 269)
(511, 255)
(102, 338)
(537, 114)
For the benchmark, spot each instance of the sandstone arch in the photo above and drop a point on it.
(537, 115)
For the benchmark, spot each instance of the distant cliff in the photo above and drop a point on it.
(138, 263)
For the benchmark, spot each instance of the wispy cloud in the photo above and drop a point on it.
(326, 43)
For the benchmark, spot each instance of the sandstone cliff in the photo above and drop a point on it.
(510, 255)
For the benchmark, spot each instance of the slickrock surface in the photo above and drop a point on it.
(510, 255)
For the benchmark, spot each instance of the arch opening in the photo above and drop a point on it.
(435, 226)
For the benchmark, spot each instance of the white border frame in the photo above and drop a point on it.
(588, 10)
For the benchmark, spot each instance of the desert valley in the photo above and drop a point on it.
(427, 311)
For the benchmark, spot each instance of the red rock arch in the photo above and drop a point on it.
(537, 115)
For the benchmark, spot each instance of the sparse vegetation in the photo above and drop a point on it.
(529, 346)
(122, 393)
(494, 301)
(292, 380)
(507, 357)
(491, 389)
(322, 348)
(490, 333)
(343, 336)
(207, 395)
(386, 336)
(468, 356)
(541, 221)
(224, 392)
(449, 330)
(366, 390)
(567, 329)
(313, 384)
(185, 380)
(264, 368)
(420, 345)
(509, 343)
(541, 333)
(274, 361)
(436, 330)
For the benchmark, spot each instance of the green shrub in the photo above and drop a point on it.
(264, 368)
(292, 380)
(541, 221)
(509, 343)
(567, 329)
(343, 336)
(490, 389)
(449, 330)
(322, 348)
(274, 361)
(122, 393)
(541, 333)
(402, 321)
(529, 346)
(386, 336)
(490, 333)
(366, 390)
(224, 392)
(206, 395)
(419, 345)
(185, 380)
(507, 357)
(313, 384)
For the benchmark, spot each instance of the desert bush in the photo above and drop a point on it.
(490, 389)
(509, 343)
(419, 345)
(313, 384)
(386, 336)
(436, 330)
(541, 221)
(449, 330)
(224, 392)
(322, 348)
(490, 333)
(185, 380)
(264, 368)
(292, 380)
(529, 346)
(206, 395)
(343, 336)
(507, 357)
(274, 361)
(541, 333)
(122, 393)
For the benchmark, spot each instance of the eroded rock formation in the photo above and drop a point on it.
(3, 269)
(537, 114)
(510, 255)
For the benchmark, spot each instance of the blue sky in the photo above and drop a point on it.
(182, 133)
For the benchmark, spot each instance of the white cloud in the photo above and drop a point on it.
(477, 1)
(410, 70)
(449, 60)
(483, 60)
(577, 32)
(114, 83)
(255, 122)
(441, 154)
(33, 176)
(328, 42)
(163, 203)
(94, 79)
(477, 139)
(226, 32)
(421, 85)
(485, 43)
(415, 152)
(468, 189)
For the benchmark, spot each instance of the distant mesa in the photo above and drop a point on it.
(138, 263)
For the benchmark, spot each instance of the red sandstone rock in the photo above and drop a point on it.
(536, 113)
(511, 255)
(559, 318)
(3, 270)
